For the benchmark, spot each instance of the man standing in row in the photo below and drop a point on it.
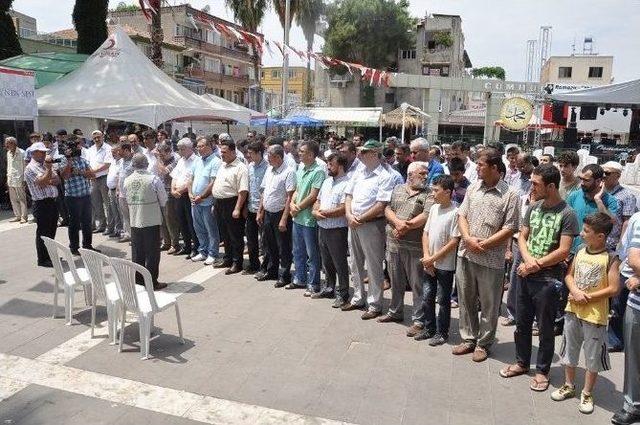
(257, 168)
(180, 180)
(100, 158)
(15, 180)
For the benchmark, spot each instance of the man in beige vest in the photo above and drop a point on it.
(146, 196)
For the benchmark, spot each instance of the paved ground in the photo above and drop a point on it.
(253, 355)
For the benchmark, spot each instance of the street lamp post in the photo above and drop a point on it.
(285, 59)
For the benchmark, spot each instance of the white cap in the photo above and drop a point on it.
(96, 133)
(38, 146)
(613, 165)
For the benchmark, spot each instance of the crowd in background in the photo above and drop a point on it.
(455, 226)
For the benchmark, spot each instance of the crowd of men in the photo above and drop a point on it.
(455, 228)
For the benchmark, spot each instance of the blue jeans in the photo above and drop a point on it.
(618, 308)
(306, 256)
(206, 230)
(438, 288)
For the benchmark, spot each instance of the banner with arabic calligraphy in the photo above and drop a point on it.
(515, 113)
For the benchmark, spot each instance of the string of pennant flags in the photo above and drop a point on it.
(374, 77)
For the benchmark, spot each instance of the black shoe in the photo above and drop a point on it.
(233, 270)
(322, 294)
(99, 230)
(183, 251)
(622, 417)
(280, 284)
(425, 334)
(437, 340)
(159, 285)
(90, 248)
(75, 252)
(266, 276)
(46, 263)
(249, 271)
(259, 275)
(222, 264)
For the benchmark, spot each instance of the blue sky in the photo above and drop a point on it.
(496, 31)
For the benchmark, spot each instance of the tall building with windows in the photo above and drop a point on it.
(271, 81)
(588, 70)
(208, 62)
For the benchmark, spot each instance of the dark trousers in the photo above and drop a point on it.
(334, 247)
(277, 246)
(231, 230)
(61, 204)
(183, 210)
(512, 293)
(253, 232)
(80, 218)
(145, 250)
(618, 308)
(45, 211)
(537, 296)
(438, 287)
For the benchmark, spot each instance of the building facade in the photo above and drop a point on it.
(208, 61)
(271, 81)
(588, 70)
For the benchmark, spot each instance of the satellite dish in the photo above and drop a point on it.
(206, 9)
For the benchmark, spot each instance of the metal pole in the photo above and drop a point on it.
(285, 59)
(403, 115)
(380, 131)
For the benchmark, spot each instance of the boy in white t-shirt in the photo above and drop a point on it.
(439, 242)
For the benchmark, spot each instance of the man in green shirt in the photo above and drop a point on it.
(306, 253)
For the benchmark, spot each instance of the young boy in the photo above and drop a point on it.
(439, 242)
(593, 278)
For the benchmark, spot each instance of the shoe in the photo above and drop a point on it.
(90, 248)
(125, 238)
(14, 220)
(191, 255)
(322, 294)
(209, 260)
(102, 229)
(247, 272)
(339, 303)
(368, 315)
(165, 247)
(309, 293)
(350, 307)
(115, 235)
(454, 304)
(261, 277)
(424, 334)
(586, 403)
(414, 330)
(75, 252)
(233, 270)
(463, 348)
(171, 251)
(280, 284)
(159, 285)
(183, 251)
(24, 221)
(198, 257)
(107, 232)
(46, 263)
(389, 319)
(222, 264)
(622, 417)
(63, 223)
(480, 354)
(565, 392)
(437, 340)
(508, 321)
(293, 286)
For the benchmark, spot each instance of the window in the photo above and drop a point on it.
(431, 44)
(212, 65)
(251, 72)
(292, 74)
(595, 72)
(564, 72)
(275, 74)
(261, 75)
(390, 97)
(408, 54)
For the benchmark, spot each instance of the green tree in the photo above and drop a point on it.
(9, 43)
(489, 72)
(157, 35)
(280, 7)
(124, 7)
(309, 12)
(89, 19)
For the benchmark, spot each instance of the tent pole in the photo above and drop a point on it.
(228, 127)
(402, 135)
(380, 131)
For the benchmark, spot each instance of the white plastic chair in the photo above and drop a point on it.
(72, 279)
(145, 304)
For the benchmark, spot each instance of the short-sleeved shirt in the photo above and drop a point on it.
(631, 239)
(331, 196)
(367, 187)
(489, 210)
(441, 226)
(566, 189)
(627, 206)
(584, 206)
(522, 185)
(277, 182)
(407, 206)
(15, 168)
(76, 185)
(33, 171)
(590, 274)
(546, 227)
(307, 178)
(203, 170)
(181, 173)
(99, 157)
(169, 164)
(512, 176)
(125, 169)
(231, 179)
(256, 174)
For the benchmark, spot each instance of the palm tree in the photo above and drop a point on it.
(156, 35)
(9, 43)
(280, 6)
(89, 18)
(309, 12)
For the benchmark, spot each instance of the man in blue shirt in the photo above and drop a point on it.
(420, 151)
(204, 172)
(257, 168)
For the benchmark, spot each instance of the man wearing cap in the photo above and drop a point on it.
(367, 195)
(42, 181)
(627, 206)
(15, 179)
(100, 158)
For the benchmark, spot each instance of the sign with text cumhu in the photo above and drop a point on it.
(17, 94)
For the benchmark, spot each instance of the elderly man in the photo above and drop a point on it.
(114, 218)
(204, 170)
(15, 180)
(165, 164)
(406, 216)
(420, 152)
(488, 217)
(367, 195)
(277, 185)
(124, 170)
(146, 197)
(100, 158)
(257, 168)
(42, 182)
(180, 179)
(230, 190)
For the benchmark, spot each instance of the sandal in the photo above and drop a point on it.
(539, 385)
(513, 370)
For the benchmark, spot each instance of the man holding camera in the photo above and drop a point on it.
(77, 175)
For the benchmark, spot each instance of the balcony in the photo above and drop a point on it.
(437, 55)
(211, 48)
(215, 77)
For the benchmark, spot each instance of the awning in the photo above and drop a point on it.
(413, 117)
(48, 67)
(342, 117)
(619, 95)
(301, 120)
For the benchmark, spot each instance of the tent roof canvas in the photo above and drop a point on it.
(617, 95)
(229, 104)
(119, 82)
(48, 67)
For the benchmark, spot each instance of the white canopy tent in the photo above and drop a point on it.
(220, 101)
(619, 95)
(119, 82)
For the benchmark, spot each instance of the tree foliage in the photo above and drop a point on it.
(124, 7)
(489, 72)
(280, 7)
(9, 43)
(369, 32)
(89, 19)
(309, 12)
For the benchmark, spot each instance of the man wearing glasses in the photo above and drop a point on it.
(100, 158)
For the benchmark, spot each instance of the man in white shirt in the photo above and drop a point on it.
(461, 150)
(181, 177)
(99, 157)
(114, 218)
(15, 179)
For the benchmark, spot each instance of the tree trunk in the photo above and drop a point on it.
(89, 18)
(9, 43)
(307, 87)
(157, 36)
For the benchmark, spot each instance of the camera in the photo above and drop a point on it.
(71, 148)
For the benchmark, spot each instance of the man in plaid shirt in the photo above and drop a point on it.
(77, 174)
